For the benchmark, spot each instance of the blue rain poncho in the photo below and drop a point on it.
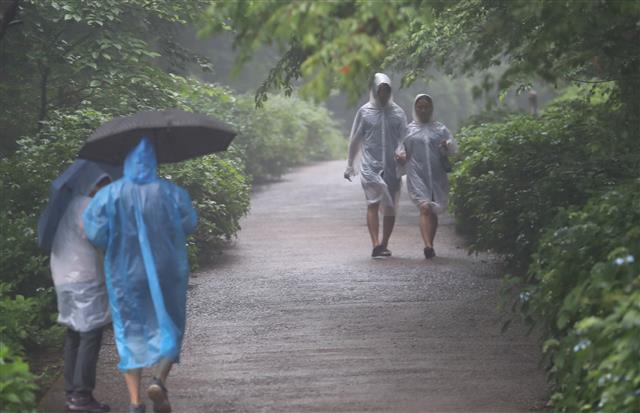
(376, 133)
(141, 222)
(427, 181)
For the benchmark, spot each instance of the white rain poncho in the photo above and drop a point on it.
(427, 180)
(77, 270)
(376, 134)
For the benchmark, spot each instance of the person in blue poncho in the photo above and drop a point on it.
(141, 221)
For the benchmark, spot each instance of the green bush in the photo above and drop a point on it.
(583, 288)
(17, 388)
(220, 194)
(285, 132)
(22, 264)
(25, 177)
(516, 174)
(558, 196)
(26, 322)
(494, 115)
(324, 140)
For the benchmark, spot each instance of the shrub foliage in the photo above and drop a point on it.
(516, 174)
(559, 197)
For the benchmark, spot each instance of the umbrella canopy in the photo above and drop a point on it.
(177, 135)
(77, 179)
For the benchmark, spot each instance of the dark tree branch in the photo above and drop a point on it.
(79, 42)
(601, 81)
(44, 83)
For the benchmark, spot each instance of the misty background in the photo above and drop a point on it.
(453, 97)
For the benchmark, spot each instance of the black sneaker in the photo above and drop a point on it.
(378, 252)
(86, 404)
(158, 395)
(429, 253)
(137, 408)
(385, 252)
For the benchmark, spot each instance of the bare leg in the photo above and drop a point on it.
(425, 227)
(132, 378)
(372, 223)
(387, 228)
(428, 225)
(162, 370)
(157, 391)
(433, 227)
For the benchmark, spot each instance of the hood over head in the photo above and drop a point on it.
(379, 79)
(84, 184)
(423, 96)
(141, 164)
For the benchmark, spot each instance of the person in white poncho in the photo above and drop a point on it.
(83, 305)
(376, 133)
(426, 147)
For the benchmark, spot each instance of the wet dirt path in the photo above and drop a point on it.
(298, 318)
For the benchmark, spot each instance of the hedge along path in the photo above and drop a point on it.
(298, 318)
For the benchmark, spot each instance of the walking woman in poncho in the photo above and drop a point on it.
(426, 146)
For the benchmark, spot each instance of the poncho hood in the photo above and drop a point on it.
(415, 115)
(378, 80)
(87, 182)
(140, 165)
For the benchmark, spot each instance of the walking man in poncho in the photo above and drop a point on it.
(376, 134)
(141, 222)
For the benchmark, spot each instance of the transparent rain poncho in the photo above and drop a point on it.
(141, 222)
(376, 134)
(427, 180)
(77, 269)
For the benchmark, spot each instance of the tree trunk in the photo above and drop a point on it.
(8, 14)
(44, 80)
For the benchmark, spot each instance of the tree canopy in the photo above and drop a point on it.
(61, 54)
(339, 44)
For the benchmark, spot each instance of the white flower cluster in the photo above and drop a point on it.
(625, 260)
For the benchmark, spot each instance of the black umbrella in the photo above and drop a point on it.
(176, 134)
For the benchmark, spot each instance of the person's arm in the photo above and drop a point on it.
(96, 220)
(450, 142)
(188, 215)
(355, 142)
(401, 151)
